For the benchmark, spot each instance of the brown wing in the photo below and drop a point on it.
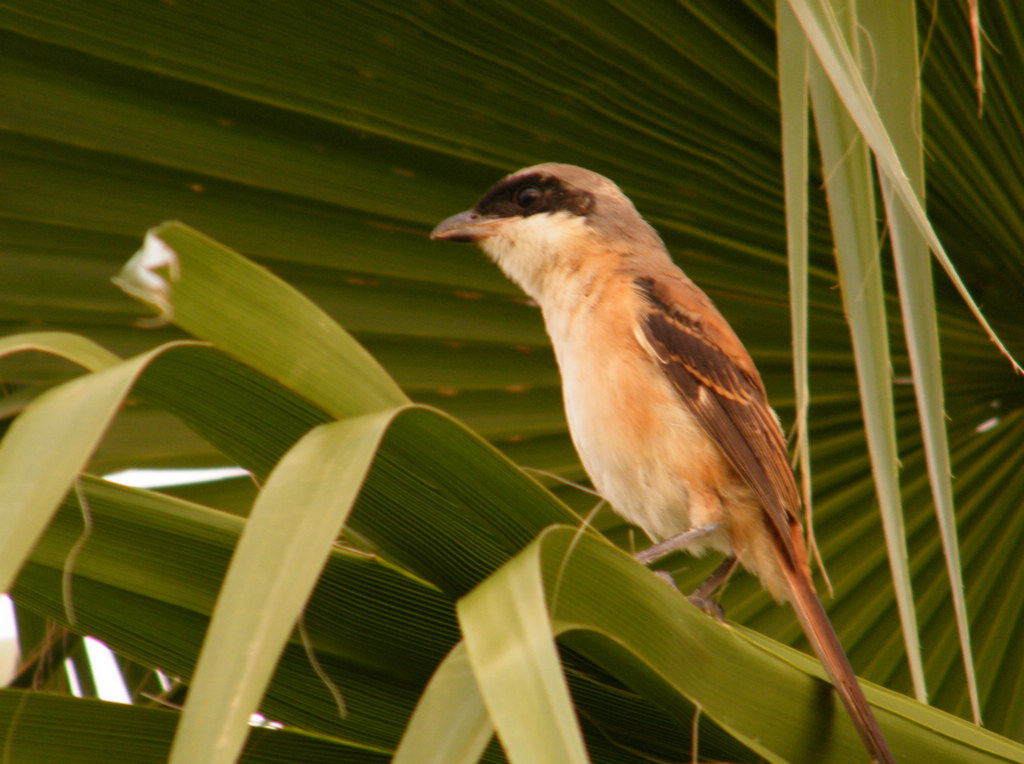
(718, 382)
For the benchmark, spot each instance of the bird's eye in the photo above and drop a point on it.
(526, 195)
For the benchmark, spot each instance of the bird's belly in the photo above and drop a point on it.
(643, 450)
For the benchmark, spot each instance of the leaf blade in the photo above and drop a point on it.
(286, 542)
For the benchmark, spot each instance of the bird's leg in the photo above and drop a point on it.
(701, 596)
(716, 580)
(673, 544)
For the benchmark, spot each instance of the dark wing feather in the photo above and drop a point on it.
(717, 381)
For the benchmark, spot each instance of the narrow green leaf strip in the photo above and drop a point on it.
(47, 447)
(284, 546)
(450, 724)
(835, 56)
(511, 648)
(73, 347)
(217, 295)
(647, 635)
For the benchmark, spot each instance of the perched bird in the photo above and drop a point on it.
(664, 404)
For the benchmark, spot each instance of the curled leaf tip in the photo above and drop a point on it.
(140, 278)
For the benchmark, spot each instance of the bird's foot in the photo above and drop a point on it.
(706, 604)
(665, 576)
(709, 606)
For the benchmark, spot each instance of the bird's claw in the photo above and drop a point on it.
(706, 604)
(709, 606)
(665, 576)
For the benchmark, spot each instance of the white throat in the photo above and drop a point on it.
(535, 250)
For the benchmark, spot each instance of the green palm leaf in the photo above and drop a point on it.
(325, 142)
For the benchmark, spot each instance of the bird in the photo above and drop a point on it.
(664, 404)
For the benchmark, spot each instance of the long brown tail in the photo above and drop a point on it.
(830, 652)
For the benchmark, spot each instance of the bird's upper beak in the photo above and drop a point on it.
(466, 226)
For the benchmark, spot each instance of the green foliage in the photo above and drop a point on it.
(439, 504)
(324, 142)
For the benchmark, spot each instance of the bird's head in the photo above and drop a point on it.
(547, 219)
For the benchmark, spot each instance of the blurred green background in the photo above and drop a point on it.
(325, 140)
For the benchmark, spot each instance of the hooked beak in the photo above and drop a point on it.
(466, 226)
